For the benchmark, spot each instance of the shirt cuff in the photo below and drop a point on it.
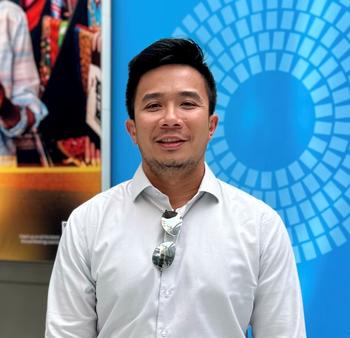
(19, 128)
(39, 111)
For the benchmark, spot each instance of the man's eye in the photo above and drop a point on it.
(188, 104)
(153, 107)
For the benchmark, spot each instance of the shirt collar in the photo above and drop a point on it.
(139, 183)
(208, 185)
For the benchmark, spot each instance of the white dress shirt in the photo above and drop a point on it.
(234, 266)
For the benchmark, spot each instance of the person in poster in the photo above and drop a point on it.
(174, 252)
(49, 154)
(21, 110)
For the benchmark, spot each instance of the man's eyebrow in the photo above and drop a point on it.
(191, 94)
(150, 96)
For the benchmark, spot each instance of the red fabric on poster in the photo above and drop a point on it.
(33, 9)
(55, 26)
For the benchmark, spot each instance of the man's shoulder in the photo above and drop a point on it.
(114, 196)
(243, 200)
(116, 193)
(233, 192)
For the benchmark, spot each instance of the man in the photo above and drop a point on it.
(20, 108)
(174, 252)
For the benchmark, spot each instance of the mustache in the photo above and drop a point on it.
(173, 137)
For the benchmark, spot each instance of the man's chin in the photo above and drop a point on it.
(172, 165)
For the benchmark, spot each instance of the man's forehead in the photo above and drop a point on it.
(185, 80)
(163, 72)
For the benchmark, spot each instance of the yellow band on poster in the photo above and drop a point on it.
(48, 170)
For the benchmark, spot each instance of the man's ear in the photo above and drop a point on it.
(131, 128)
(213, 123)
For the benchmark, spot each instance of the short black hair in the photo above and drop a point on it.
(167, 52)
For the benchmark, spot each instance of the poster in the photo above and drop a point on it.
(282, 70)
(57, 166)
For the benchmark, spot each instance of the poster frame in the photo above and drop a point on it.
(106, 94)
(15, 265)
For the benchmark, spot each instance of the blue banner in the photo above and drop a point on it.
(283, 76)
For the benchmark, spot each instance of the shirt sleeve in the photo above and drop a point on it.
(278, 309)
(71, 298)
(25, 77)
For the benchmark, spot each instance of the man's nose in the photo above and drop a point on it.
(171, 118)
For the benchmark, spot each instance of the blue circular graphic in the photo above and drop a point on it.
(265, 118)
(305, 45)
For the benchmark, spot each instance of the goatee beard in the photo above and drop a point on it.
(171, 166)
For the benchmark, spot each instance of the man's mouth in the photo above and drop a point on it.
(170, 142)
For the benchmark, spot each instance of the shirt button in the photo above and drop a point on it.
(167, 293)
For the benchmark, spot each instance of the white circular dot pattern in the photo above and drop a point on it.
(310, 41)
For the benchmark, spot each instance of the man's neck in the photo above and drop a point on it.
(179, 185)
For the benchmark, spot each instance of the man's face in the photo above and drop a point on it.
(172, 125)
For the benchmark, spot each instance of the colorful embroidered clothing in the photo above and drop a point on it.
(18, 72)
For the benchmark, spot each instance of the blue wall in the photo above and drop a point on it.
(283, 75)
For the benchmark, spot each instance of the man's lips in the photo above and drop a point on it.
(170, 142)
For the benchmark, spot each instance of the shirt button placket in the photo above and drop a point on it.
(164, 295)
